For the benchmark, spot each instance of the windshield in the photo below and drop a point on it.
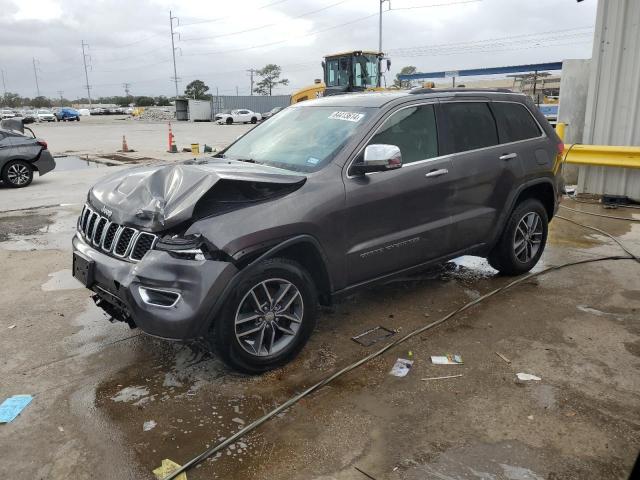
(365, 71)
(302, 139)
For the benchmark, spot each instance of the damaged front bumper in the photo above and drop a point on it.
(164, 296)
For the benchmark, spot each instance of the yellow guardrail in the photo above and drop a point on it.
(599, 155)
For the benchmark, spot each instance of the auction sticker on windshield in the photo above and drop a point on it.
(348, 116)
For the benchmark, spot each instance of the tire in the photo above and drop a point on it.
(523, 239)
(229, 121)
(17, 174)
(254, 120)
(235, 344)
(77, 119)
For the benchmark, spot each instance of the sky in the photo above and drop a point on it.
(217, 41)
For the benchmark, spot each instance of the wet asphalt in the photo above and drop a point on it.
(113, 403)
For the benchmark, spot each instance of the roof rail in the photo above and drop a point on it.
(419, 90)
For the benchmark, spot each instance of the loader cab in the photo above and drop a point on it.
(355, 71)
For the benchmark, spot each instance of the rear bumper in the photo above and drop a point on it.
(199, 284)
(45, 162)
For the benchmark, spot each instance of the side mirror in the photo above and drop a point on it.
(379, 158)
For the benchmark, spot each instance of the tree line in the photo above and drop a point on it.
(13, 100)
(269, 79)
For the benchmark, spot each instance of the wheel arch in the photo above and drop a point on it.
(304, 249)
(541, 189)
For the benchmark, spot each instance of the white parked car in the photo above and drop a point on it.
(46, 116)
(7, 114)
(238, 116)
(84, 112)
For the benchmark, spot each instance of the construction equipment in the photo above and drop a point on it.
(354, 71)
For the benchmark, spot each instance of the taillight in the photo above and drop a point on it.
(560, 148)
(43, 144)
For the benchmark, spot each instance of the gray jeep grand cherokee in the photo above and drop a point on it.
(329, 196)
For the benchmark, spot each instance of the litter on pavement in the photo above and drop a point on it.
(442, 378)
(372, 336)
(448, 359)
(167, 468)
(503, 357)
(401, 367)
(527, 376)
(149, 425)
(12, 407)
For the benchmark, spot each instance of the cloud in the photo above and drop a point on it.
(129, 41)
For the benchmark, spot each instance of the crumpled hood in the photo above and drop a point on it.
(160, 196)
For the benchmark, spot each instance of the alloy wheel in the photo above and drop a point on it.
(18, 174)
(269, 317)
(528, 237)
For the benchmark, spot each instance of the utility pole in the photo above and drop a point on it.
(251, 72)
(35, 73)
(86, 75)
(237, 91)
(173, 49)
(4, 85)
(126, 88)
(380, 41)
(60, 92)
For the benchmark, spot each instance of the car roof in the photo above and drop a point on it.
(382, 98)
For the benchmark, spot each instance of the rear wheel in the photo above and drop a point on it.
(17, 174)
(268, 319)
(254, 120)
(523, 239)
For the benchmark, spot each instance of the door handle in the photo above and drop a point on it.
(437, 173)
(508, 156)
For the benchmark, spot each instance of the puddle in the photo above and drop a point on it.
(61, 280)
(77, 163)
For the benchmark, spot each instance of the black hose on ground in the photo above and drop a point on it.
(295, 399)
(601, 214)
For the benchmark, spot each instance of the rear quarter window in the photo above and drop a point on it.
(514, 122)
(468, 126)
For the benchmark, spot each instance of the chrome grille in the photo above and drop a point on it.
(115, 239)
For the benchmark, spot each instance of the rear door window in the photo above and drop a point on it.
(468, 126)
(413, 130)
(514, 122)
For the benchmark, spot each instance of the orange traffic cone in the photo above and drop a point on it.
(172, 142)
(125, 147)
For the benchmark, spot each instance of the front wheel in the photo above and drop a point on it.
(254, 120)
(523, 240)
(268, 319)
(17, 174)
(229, 121)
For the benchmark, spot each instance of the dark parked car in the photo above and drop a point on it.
(67, 114)
(271, 113)
(329, 196)
(21, 155)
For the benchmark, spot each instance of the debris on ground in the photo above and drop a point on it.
(525, 377)
(11, 327)
(365, 473)
(401, 367)
(167, 468)
(373, 336)
(503, 357)
(13, 406)
(442, 378)
(449, 359)
(156, 114)
(149, 425)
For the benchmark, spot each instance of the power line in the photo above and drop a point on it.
(86, 75)
(268, 25)
(215, 20)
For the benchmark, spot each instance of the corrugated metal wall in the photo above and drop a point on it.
(613, 105)
(255, 103)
